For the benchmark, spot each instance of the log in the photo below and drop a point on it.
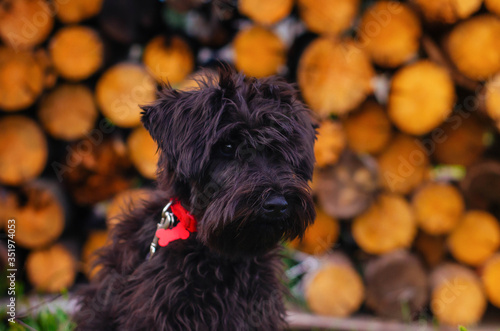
(330, 143)
(421, 97)
(95, 169)
(51, 269)
(492, 99)
(21, 79)
(490, 274)
(461, 141)
(395, 41)
(258, 52)
(23, 150)
(473, 46)
(25, 23)
(448, 11)
(334, 76)
(75, 11)
(432, 249)
(124, 202)
(39, 215)
(121, 90)
(476, 238)
(95, 240)
(348, 188)
(335, 288)
(396, 285)
(168, 60)
(77, 52)
(493, 6)
(143, 152)
(457, 295)
(403, 166)
(328, 17)
(388, 225)
(68, 112)
(480, 185)
(438, 207)
(320, 236)
(368, 130)
(265, 12)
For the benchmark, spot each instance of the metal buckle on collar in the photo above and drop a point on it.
(167, 221)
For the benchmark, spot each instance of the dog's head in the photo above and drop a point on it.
(238, 153)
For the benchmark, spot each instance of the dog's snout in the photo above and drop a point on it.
(275, 206)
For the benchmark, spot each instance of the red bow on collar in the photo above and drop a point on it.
(186, 225)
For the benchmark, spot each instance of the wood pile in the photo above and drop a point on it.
(408, 153)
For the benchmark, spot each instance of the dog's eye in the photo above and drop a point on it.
(227, 149)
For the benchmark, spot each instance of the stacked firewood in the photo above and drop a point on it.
(408, 165)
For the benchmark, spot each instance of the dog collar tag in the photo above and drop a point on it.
(185, 226)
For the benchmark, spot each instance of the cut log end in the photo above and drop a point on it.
(258, 52)
(403, 166)
(265, 12)
(336, 289)
(421, 98)
(68, 112)
(334, 76)
(457, 296)
(39, 217)
(21, 79)
(395, 41)
(25, 23)
(368, 130)
(168, 62)
(121, 90)
(386, 226)
(75, 11)
(476, 238)
(394, 281)
(77, 52)
(473, 46)
(438, 208)
(448, 11)
(328, 17)
(461, 141)
(348, 188)
(23, 150)
(52, 269)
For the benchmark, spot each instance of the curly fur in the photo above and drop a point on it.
(227, 275)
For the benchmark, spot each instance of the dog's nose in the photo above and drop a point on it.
(275, 206)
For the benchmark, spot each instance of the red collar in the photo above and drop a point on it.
(183, 228)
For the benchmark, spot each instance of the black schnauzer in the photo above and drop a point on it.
(236, 155)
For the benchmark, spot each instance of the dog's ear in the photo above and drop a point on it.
(183, 124)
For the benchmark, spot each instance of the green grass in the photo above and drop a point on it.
(45, 320)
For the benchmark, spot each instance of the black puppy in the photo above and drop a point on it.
(235, 158)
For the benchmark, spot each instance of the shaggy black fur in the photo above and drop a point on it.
(226, 149)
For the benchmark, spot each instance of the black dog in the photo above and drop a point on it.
(236, 153)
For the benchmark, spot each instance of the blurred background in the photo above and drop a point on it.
(407, 182)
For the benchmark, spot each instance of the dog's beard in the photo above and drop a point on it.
(232, 221)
